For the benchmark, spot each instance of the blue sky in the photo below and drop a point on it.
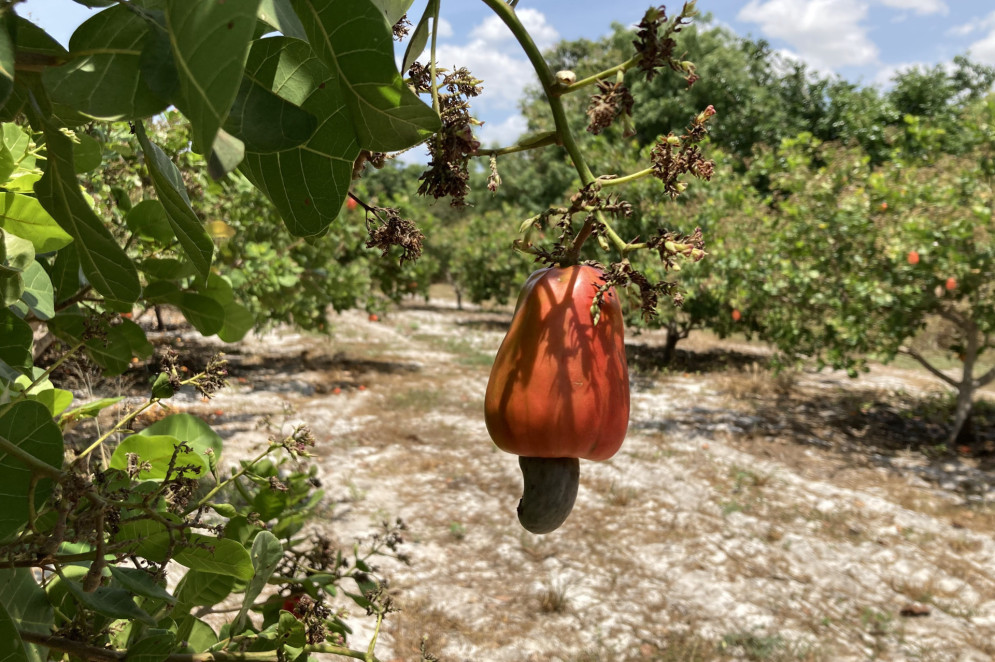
(864, 41)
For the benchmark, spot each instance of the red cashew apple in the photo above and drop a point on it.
(736, 315)
(913, 257)
(559, 388)
(951, 284)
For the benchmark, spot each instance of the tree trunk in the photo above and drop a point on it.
(961, 433)
(670, 345)
(158, 319)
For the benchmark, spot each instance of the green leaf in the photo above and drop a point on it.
(27, 605)
(24, 216)
(15, 341)
(167, 268)
(265, 122)
(105, 264)
(7, 163)
(419, 38)
(6, 57)
(140, 583)
(10, 641)
(110, 601)
(148, 220)
(16, 254)
(104, 79)
(307, 184)
(266, 554)
(386, 115)
(199, 588)
(190, 429)
(91, 409)
(86, 154)
(155, 647)
(280, 15)
(28, 426)
(393, 10)
(65, 273)
(227, 152)
(210, 43)
(217, 555)
(158, 451)
(238, 319)
(114, 352)
(38, 293)
(56, 399)
(172, 194)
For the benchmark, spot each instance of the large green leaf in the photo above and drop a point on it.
(158, 451)
(149, 221)
(265, 122)
(6, 57)
(38, 293)
(266, 555)
(103, 261)
(172, 193)
(307, 184)
(384, 112)
(393, 10)
(12, 649)
(141, 583)
(104, 78)
(110, 601)
(280, 15)
(190, 429)
(218, 555)
(154, 647)
(238, 319)
(15, 341)
(203, 312)
(24, 216)
(199, 588)
(28, 426)
(65, 273)
(27, 605)
(210, 40)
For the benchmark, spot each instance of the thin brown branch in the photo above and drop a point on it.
(929, 366)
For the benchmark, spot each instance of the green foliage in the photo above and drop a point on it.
(165, 215)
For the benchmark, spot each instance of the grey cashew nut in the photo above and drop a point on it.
(550, 491)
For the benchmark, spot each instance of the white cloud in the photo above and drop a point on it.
(502, 134)
(827, 34)
(445, 28)
(920, 7)
(983, 50)
(493, 56)
(493, 30)
(504, 76)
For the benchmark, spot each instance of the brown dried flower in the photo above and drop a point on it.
(614, 100)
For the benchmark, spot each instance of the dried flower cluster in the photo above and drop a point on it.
(674, 155)
(615, 100)
(394, 231)
(401, 28)
(454, 144)
(587, 200)
(655, 44)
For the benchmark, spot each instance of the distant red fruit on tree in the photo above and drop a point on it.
(913, 257)
(736, 315)
(350, 203)
(884, 206)
(951, 284)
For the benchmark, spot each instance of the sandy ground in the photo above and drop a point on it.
(747, 516)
